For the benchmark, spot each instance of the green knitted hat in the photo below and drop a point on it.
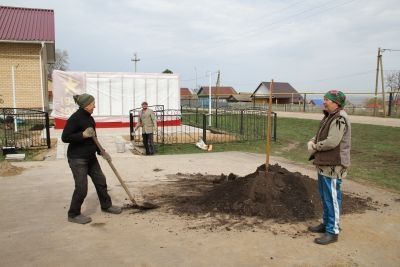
(336, 96)
(83, 100)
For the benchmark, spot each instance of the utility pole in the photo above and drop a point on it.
(135, 59)
(380, 64)
(379, 67)
(377, 80)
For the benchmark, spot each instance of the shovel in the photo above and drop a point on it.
(135, 205)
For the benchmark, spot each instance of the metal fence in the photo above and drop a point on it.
(357, 104)
(22, 128)
(191, 125)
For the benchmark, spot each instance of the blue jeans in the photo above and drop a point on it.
(331, 197)
(81, 168)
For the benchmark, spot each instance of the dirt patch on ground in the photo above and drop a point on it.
(280, 195)
(7, 169)
(291, 146)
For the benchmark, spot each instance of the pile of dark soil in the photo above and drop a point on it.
(279, 195)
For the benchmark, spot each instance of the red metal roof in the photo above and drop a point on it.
(185, 92)
(26, 24)
(220, 91)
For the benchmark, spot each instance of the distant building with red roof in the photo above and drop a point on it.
(27, 45)
(282, 93)
(219, 94)
(186, 93)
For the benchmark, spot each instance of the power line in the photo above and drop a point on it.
(268, 26)
(276, 23)
(340, 77)
(255, 20)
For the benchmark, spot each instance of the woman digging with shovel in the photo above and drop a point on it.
(78, 132)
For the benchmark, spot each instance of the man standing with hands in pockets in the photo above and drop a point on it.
(148, 122)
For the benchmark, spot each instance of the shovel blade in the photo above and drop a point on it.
(143, 206)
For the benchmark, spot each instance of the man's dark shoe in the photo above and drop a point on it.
(113, 210)
(317, 229)
(327, 239)
(81, 219)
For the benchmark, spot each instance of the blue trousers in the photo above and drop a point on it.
(331, 197)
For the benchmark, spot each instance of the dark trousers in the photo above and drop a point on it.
(148, 143)
(81, 168)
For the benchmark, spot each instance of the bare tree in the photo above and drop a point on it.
(62, 61)
(393, 82)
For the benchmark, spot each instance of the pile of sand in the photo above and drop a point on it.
(7, 169)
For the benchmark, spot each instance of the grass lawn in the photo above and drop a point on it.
(375, 153)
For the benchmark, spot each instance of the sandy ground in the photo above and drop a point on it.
(35, 230)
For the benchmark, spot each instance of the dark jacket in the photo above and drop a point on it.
(79, 147)
(339, 155)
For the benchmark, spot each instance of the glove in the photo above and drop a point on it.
(89, 132)
(311, 146)
(105, 155)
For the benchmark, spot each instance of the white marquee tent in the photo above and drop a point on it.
(115, 94)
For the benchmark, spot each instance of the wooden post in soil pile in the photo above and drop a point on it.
(269, 120)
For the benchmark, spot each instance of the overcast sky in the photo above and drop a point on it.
(315, 45)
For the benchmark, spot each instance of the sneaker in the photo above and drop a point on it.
(317, 229)
(326, 239)
(81, 219)
(113, 210)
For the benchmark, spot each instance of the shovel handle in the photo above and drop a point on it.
(115, 172)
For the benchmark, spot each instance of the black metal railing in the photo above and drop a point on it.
(22, 128)
(191, 125)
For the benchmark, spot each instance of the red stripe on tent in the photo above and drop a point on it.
(60, 124)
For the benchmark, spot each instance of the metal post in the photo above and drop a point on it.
(130, 126)
(48, 130)
(241, 122)
(205, 128)
(216, 118)
(304, 102)
(275, 121)
(390, 103)
(14, 97)
(209, 102)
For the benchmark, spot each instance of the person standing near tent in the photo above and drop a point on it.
(148, 122)
(330, 150)
(78, 132)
